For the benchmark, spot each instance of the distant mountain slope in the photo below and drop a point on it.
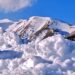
(4, 23)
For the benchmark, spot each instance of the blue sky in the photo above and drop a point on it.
(60, 9)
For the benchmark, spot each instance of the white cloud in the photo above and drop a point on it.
(14, 5)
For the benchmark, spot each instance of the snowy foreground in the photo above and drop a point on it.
(25, 55)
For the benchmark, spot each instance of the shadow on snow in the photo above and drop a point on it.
(10, 54)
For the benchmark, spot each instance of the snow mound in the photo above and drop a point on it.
(53, 55)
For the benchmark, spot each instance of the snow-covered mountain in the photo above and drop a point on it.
(38, 46)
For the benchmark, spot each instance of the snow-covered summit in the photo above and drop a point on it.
(37, 46)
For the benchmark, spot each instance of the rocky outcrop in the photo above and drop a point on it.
(33, 27)
(42, 26)
(71, 36)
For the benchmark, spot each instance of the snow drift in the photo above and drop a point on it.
(37, 47)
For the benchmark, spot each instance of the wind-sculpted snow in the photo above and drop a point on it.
(53, 55)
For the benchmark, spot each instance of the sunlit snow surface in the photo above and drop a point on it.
(51, 56)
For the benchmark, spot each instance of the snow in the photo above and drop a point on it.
(62, 26)
(53, 55)
(5, 20)
(5, 23)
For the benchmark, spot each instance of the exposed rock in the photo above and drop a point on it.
(50, 32)
(71, 36)
(41, 26)
(33, 27)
